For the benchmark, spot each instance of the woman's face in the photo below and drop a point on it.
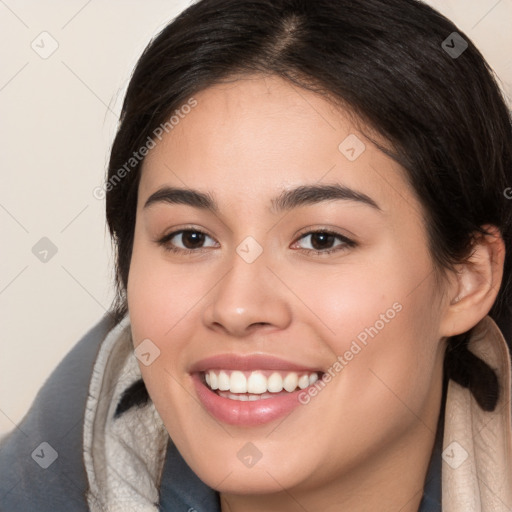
(305, 256)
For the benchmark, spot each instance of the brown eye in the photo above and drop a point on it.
(185, 241)
(192, 239)
(324, 242)
(321, 241)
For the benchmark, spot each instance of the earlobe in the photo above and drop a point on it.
(476, 284)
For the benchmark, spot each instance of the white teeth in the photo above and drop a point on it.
(255, 385)
(213, 380)
(238, 383)
(245, 397)
(275, 383)
(303, 382)
(223, 381)
(290, 382)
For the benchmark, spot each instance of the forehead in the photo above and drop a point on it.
(264, 135)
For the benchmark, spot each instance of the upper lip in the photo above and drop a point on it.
(249, 362)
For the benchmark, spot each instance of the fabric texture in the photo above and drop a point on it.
(123, 457)
(477, 463)
(127, 462)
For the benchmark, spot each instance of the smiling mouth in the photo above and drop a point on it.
(258, 384)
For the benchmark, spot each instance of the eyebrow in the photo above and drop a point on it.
(286, 200)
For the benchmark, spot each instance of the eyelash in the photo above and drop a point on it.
(347, 243)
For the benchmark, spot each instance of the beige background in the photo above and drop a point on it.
(58, 119)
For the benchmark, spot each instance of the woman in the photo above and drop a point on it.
(308, 204)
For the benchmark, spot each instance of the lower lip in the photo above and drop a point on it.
(249, 413)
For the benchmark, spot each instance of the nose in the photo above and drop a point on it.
(249, 297)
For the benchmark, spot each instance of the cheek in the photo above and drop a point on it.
(381, 327)
(161, 299)
(160, 294)
(364, 292)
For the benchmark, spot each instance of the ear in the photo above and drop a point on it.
(474, 289)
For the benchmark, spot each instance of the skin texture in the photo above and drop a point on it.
(364, 442)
